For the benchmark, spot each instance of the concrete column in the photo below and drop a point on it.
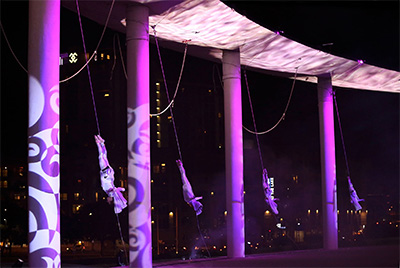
(328, 162)
(233, 153)
(139, 198)
(43, 134)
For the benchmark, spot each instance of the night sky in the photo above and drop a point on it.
(367, 30)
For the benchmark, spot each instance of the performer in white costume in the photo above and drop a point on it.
(107, 178)
(353, 196)
(268, 192)
(188, 194)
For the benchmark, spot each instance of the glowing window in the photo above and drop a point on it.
(64, 196)
(76, 196)
(4, 184)
(4, 172)
(76, 208)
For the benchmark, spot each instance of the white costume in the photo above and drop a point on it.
(188, 194)
(107, 177)
(268, 192)
(353, 196)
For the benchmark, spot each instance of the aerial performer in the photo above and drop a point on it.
(268, 193)
(107, 178)
(188, 194)
(353, 196)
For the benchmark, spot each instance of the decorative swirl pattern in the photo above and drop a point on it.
(43, 176)
(138, 185)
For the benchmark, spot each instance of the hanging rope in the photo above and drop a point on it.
(88, 69)
(170, 106)
(284, 112)
(116, 36)
(254, 121)
(341, 134)
(167, 93)
(201, 235)
(92, 93)
(163, 74)
(354, 199)
(9, 46)
(98, 44)
(122, 239)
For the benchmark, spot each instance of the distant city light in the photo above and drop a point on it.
(73, 57)
(280, 226)
(171, 214)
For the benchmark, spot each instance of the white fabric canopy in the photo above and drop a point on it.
(212, 24)
(211, 27)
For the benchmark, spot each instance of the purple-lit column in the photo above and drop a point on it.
(233, 153)
(328, 163)
(43, 134)
(137, 42)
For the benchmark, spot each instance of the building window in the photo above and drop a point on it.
(64, 196)
(4, 184)
(76, 208)
(156, 169)
(76, 196)
(4, 172)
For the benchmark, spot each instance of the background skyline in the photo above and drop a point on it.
(367, 30)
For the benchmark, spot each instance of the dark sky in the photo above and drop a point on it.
(367, 30)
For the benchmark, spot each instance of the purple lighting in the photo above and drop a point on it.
(360, 62)
(328, 163)
(43, 134)
(233, 153)
(138, 115)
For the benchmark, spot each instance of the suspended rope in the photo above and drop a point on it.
(284, 112)
(354, 199)
(188, 194)
(254, 121)
(98, 44)
(9, 46)
(163, 74)
(107, 174)
(122, 239)
(88, 69)
(341, 134)
(167, 93)
(201, 235)
(116, 36)
(270, 200)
